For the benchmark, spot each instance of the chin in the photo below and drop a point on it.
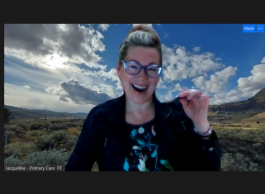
(139, 99)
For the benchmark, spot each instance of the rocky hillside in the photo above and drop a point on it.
(254, 104)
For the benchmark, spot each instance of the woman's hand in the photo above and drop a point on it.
(195, 105)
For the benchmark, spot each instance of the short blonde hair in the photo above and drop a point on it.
(141, 35)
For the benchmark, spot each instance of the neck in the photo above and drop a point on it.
(139, 112)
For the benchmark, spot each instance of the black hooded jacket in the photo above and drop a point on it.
(105, 139)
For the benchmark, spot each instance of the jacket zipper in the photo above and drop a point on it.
(164, 123)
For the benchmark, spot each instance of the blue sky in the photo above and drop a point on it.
(73, 67)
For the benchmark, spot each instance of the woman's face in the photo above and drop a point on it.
(145, 56)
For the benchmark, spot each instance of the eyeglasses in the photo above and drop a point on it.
(134, 68)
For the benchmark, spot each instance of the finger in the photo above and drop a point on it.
(183, 91)
(204, 100)
(191, 94)
(188, 90)
(201, 101)
(184, 102)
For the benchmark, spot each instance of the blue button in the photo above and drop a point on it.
(260, 28)
(249, 28)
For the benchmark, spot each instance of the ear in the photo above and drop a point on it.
(118, 69)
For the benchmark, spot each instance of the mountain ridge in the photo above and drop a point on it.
(18, 112)
(254, 104)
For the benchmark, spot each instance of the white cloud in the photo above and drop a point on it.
(263, 60)
(166, 35)
(73, 91)
(253, 82)
(217, 81)
(169, 96)
(119, 86)
(54, 45)
(36, 100)
(178, 87)
(161, 84)
(196, 49)
(247, 87)
(28, 87)
(112, 74)
(181, 64)
(231, 96)
(103, 27)
(36, 77)
(48, 80)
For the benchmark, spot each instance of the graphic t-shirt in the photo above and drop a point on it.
(143, 155)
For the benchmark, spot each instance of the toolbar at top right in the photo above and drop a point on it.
(252, 28)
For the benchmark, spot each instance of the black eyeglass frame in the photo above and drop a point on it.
(142, 67)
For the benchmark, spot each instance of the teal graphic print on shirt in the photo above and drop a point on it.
(143, 155)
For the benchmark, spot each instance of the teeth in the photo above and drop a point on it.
(139, 87)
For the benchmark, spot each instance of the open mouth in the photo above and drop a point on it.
(138, 88)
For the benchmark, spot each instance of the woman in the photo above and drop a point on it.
(136, 132)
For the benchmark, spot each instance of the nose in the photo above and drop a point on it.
(142, 74)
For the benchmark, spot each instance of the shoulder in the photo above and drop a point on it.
(105, 108)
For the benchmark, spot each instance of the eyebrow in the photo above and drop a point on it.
(152, 63)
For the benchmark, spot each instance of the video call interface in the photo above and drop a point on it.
(56, 74)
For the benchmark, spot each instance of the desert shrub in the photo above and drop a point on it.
(257, 145)
(237, 162)
(58, 137)
(45, 125)
(23, 125)
(12, 161)
(10, 135)
(80, 123)
(73, 131)
(35, 126)
(260, 148)
(16, 149)
(53, 140)
(16, 129)
(56, 121)
(50, 157)
(35, 133)
(72, 124)
(70, 144)
(32, 136)
(57, 126)
(44, 142)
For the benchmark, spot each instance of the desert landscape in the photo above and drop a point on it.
(42, 137)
